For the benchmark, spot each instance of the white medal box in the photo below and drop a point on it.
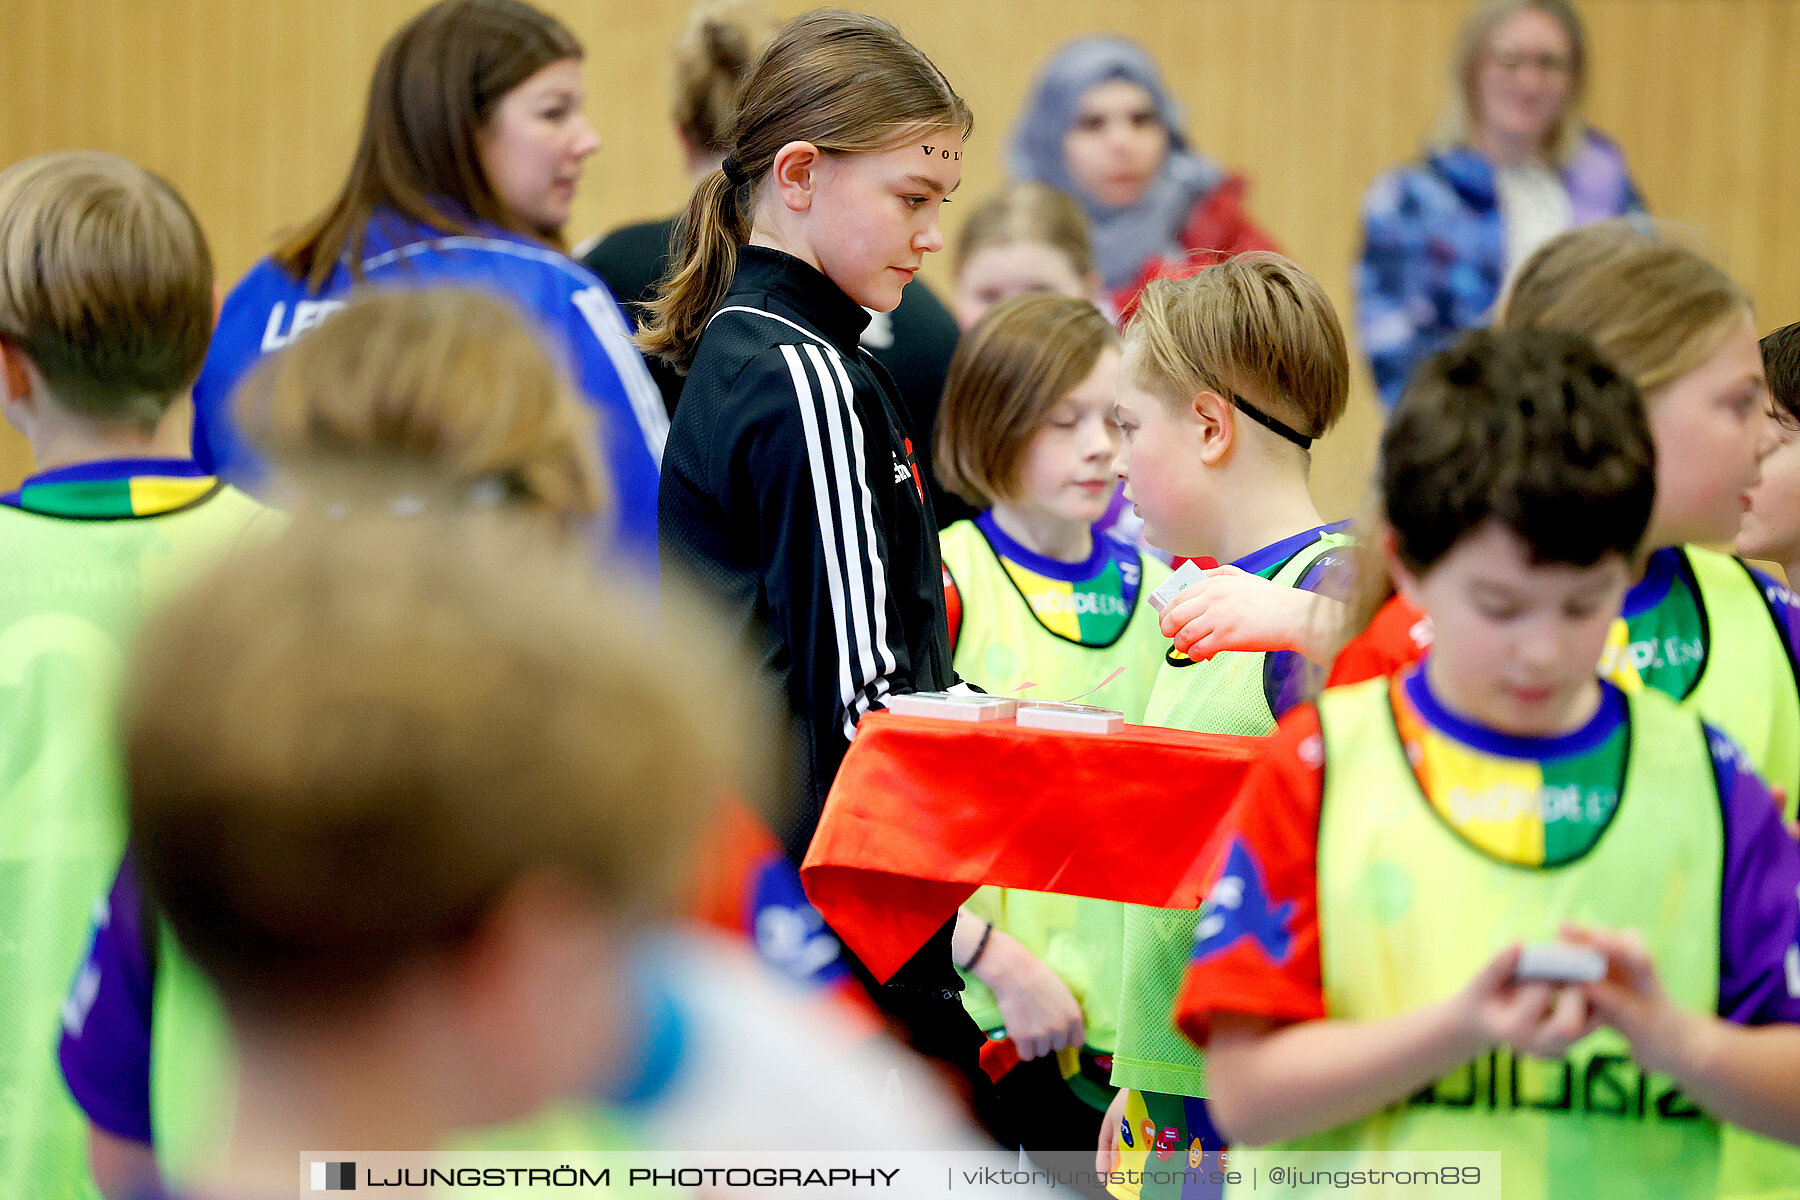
(1561, 962)
(1187, 573)
(1069, 718)
(947, 707)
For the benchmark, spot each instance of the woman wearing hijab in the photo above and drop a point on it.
(1102, 127)
(1511, 165)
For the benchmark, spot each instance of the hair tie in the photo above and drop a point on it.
(1279, 428)
(734, 172)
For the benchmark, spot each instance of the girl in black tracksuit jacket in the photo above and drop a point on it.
(790, 487)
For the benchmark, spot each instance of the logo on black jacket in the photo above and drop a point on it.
(905, 467)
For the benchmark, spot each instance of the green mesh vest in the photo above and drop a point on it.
(1747, 688)
(1225, 693)
(1001, 643)
(1409, 911)
(72, 594)
(193, 1070)
(1221, 695)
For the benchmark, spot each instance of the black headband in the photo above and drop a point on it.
(1270, 423)
(733, 172)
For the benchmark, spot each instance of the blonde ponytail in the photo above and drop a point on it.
(1371, 586)
(713, 228)
(722, 41)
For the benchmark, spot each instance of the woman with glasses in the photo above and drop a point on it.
(1510, 165)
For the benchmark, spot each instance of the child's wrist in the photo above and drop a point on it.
(1458, 1027)
(999, 960)
(1688, 1045)
(969, 944)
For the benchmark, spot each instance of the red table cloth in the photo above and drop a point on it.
(925, 811)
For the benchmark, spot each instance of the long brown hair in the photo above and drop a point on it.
(847, 83)
(436, 83)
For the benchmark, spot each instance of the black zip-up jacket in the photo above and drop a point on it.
(790, 489)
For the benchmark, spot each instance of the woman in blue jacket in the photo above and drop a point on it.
(472, 146)
(1511, 165)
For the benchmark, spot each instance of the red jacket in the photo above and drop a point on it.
(1218, 228)
(1398, 637)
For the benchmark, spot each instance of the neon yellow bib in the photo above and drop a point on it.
(1747, 690)
(193, 1069)
(1221, 695)
(72, 594)
(1747, 687)
(1409, 910)
(1225, 693)
(1002, 643)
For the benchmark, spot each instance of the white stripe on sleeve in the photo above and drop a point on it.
(608, 325)
(877, 565)
(815, 457)
(865, 588)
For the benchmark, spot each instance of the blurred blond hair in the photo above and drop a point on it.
(343, 748)
(1655, 307)
(1457, 122)
(1027, 212)
(450, 390)
(722, 41)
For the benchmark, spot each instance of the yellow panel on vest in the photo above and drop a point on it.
(1409, 911)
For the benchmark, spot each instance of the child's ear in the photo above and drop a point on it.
(795, 173)
(15, 372)
(18, 380)
(1217, 422)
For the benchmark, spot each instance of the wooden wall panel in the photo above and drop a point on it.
(252, 110)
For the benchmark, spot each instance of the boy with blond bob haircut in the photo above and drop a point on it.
(105, 312)
(1229, 377)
